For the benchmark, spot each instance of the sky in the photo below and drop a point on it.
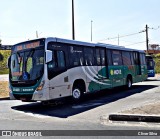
(20, 19)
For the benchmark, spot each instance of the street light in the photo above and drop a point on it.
(73, 31)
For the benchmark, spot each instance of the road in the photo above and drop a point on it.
(91, 114)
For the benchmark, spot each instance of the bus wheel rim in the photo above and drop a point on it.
(129, 83)
(76, 93)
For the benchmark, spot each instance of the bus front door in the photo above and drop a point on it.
(57, 71)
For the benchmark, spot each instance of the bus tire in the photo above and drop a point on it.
(77, 93)
(129, 83)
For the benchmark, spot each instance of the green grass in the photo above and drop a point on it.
(4, 71)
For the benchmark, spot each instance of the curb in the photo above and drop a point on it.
(134, 118)
(5, 98)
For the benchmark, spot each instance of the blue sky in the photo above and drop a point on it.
(20, 19)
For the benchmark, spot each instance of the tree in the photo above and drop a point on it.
(0, 42)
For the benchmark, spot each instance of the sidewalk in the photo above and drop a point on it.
(146, 113)
(4, 77)
(4, 91)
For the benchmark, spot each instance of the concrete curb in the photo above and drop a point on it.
(5, 98)
(134, 118)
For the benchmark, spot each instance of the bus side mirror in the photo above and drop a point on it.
(9, 62)
(48, 56)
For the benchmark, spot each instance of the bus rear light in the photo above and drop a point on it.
(40, 87)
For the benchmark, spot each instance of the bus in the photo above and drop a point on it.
(52, 68)
(150, 66)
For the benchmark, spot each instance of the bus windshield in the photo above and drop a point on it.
(150, 63)
(27, 65)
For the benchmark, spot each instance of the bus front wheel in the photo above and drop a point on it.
(77, 94)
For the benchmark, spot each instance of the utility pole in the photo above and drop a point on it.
(37, 34)
(147, 40)
(118, 39)
(91, 30)
(73, 31)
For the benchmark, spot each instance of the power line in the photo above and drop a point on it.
(117, 37)
(123, 36)
(135, 43)
(154, 28)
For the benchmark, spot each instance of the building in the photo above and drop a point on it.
(153, 49)
(5, 47)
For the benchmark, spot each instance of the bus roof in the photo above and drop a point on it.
(75, 42)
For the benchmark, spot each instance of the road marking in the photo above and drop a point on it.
(86, 105)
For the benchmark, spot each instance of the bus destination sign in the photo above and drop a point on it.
(27, 46)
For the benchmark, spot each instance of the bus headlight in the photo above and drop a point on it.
(40, 87)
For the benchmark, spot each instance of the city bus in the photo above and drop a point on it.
(52, 68)
(150, 66)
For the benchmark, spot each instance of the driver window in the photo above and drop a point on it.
(52, 64)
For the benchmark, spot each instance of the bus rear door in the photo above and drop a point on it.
(116, 70)
(102, 68)
(137, 63)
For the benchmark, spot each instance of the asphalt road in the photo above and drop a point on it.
(90, 114)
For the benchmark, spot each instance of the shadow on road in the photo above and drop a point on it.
(66, 108)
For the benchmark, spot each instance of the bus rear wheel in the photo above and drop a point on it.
(129, 83)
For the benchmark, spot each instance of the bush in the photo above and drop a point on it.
(4, 58)
(1, 57)
(157, 63)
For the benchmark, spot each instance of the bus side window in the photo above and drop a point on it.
(98, 58)
(126, 58)
(89, 56)
(132, 60)
(109, 57)
(103, 58)
(142, 59)
(61, 59)
(135, 57)
(117, 58)
(76, 56)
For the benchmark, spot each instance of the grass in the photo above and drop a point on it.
(4, 91)
(4, 71)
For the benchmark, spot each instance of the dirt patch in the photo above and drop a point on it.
(150, 109)
(157, 76)
(4, 90)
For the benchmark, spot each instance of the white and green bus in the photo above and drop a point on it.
(52, 68)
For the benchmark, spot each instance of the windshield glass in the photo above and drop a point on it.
(27, 65)
(150, 64)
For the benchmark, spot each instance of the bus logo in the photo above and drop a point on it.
(115, 72)
(111, 72)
